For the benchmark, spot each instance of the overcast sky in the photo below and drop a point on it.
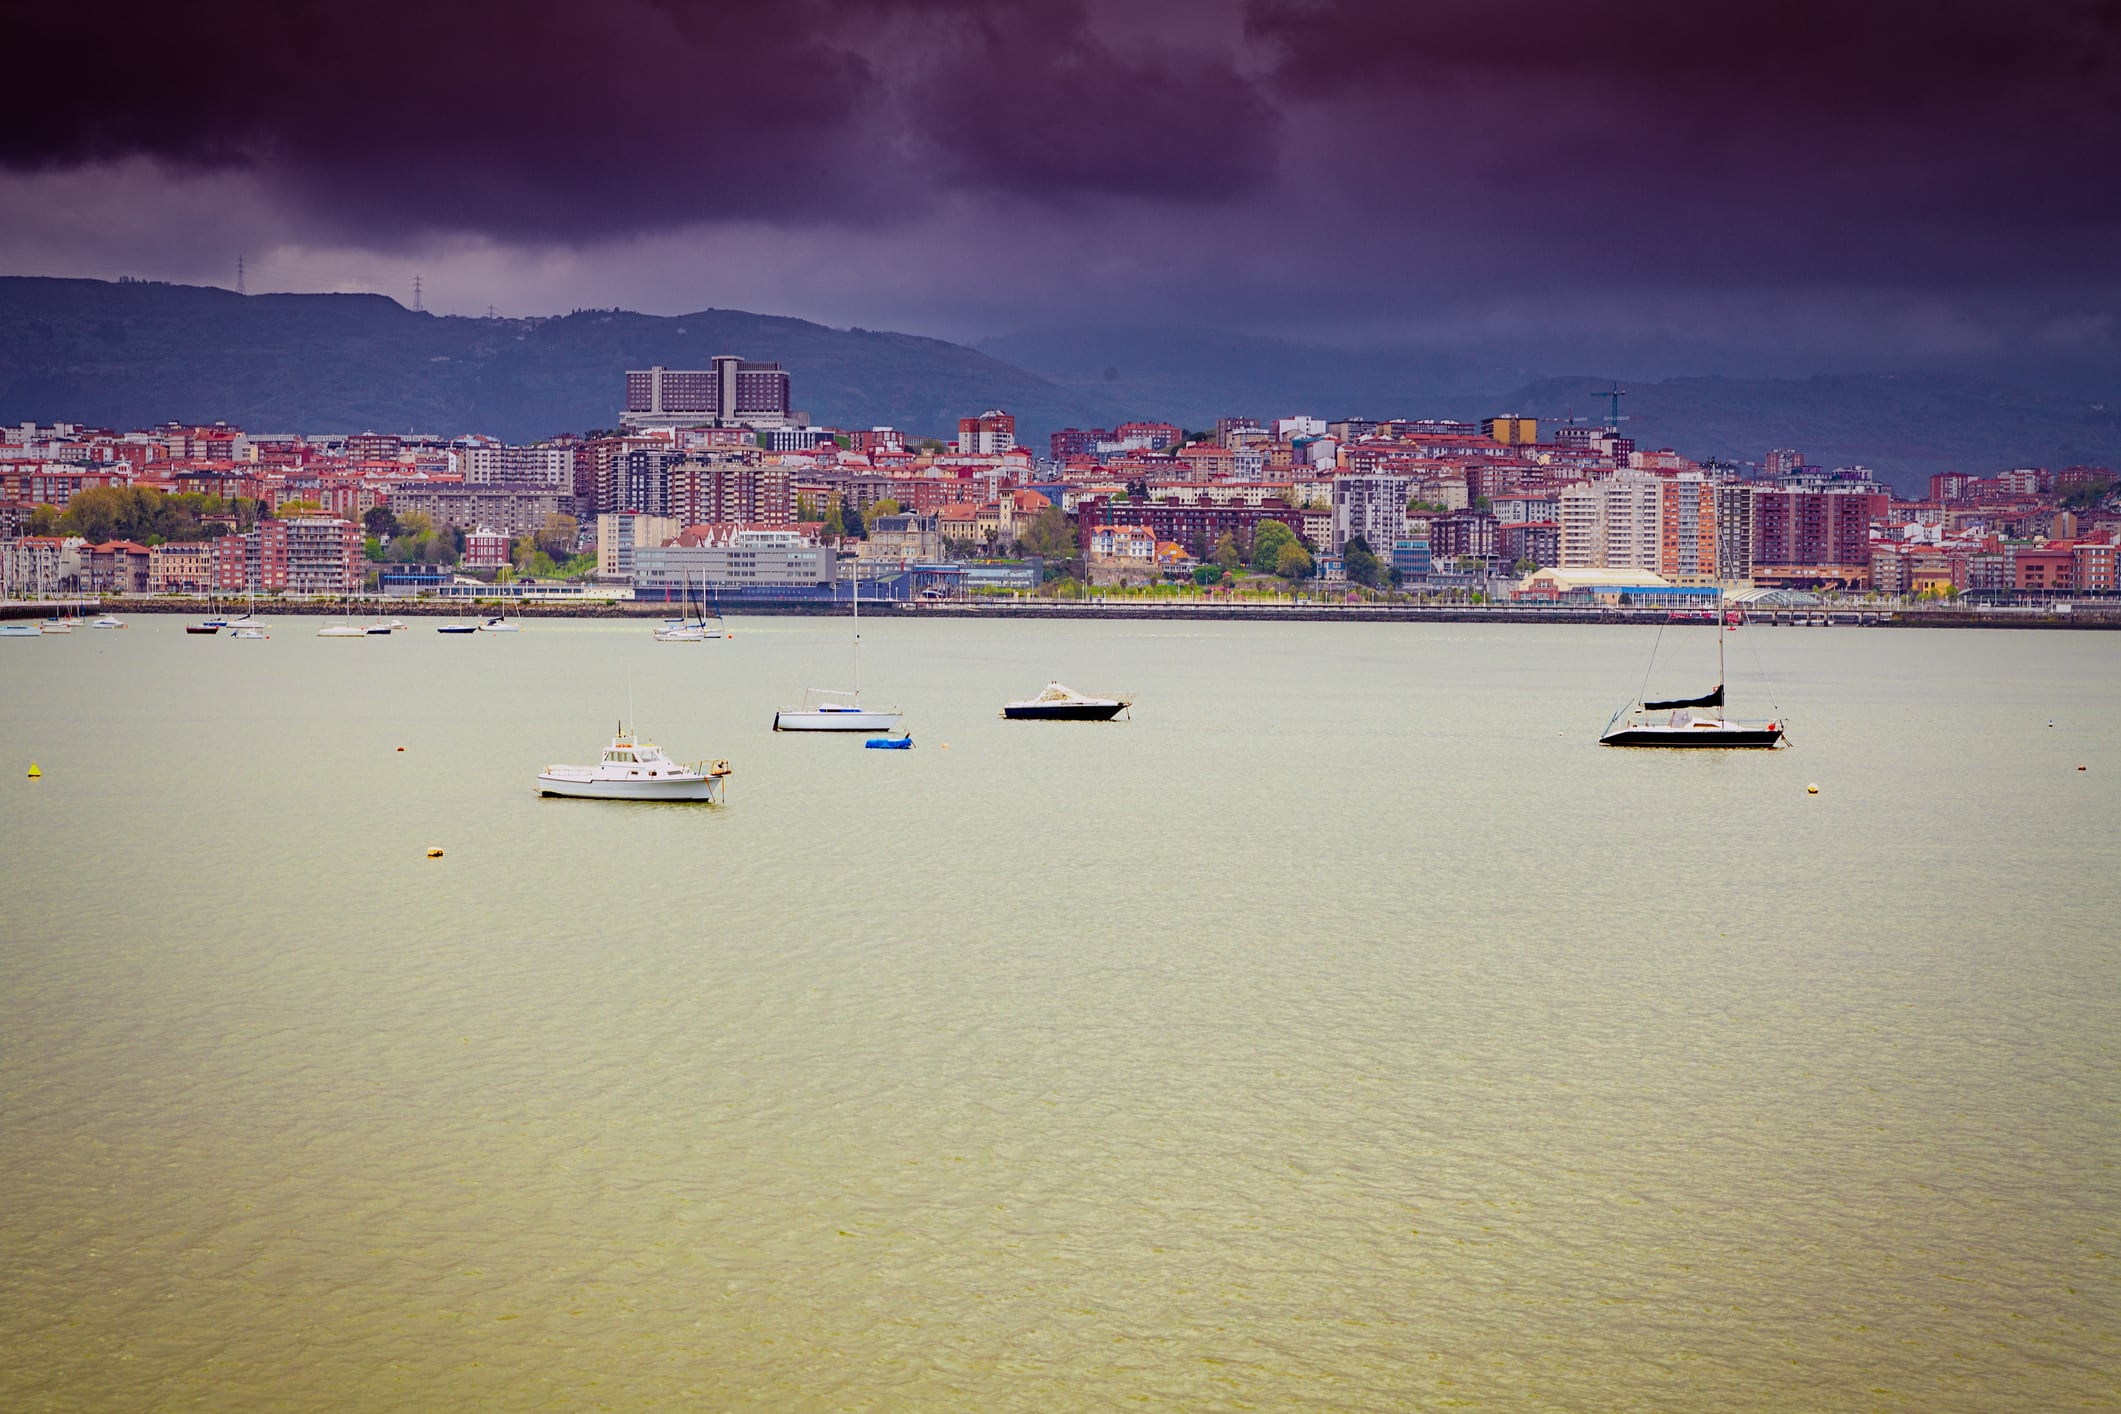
(1850, 183)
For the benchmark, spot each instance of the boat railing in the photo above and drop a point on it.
(717, 767)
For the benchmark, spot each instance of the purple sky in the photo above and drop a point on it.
(1854, 183)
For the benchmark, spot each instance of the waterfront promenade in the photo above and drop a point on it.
(2060, 614)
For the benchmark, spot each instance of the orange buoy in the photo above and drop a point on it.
(434, 854)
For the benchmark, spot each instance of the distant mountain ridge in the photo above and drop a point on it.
(134, 354)
(1904, 425)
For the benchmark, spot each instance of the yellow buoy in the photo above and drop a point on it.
(434, 854)
(1811, 790)
(35, 774)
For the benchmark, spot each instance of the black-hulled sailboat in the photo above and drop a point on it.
(1689, 721)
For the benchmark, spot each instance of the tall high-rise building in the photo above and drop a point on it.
(1687, 540)
(731, 393)
(1370, 508)
(1734, 530)
(1814, 535)
(989, 434)
(1617, 523)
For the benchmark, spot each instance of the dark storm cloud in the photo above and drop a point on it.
(1031, 99)
(571, 118)
(1875, 140)
(514, 115)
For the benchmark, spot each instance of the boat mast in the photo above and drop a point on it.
(857, 634)
(1719, 641)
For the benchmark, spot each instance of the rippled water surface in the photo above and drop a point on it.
(1346, 1031)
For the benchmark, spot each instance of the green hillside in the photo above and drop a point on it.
(127, 355)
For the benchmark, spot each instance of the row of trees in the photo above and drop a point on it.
(144, 515)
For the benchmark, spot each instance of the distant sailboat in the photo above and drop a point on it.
(694, 627)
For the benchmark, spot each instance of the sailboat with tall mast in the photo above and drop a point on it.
(694, 627)
(1689, 721)
(827, 710)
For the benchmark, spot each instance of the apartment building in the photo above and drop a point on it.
(1370, 508)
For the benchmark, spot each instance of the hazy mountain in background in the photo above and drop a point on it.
(1903, 425)
(131, 355)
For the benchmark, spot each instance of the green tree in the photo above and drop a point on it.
(289, 510)
(559, 536)
(1362, 564)
(417, 525)
(95, 514)
(1226, 552)
(1267, 543)
(885, 507)
(1292, 561)
(835, 523)
(45, 520)
(1207, 574)
(379, 521)
(1051, 534)
(851, 514)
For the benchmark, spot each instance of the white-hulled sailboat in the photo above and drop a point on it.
(694, 627)
(828, 710)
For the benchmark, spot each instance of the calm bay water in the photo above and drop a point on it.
(1346, 1031)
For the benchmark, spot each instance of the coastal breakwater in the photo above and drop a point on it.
(2076, 615)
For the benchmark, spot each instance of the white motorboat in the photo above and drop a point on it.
(458, 628)
(251, 633)
(828, 710)
(1059, 703)
(342, 631)
(108, 621)
(20, 630)
(636, 769)
(55, 626)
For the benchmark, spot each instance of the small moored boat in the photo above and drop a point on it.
(458, 628)
(635, 769)
(890, 743)
(1059, 703)
(1689, 721)
(342, 631)
(108, 621)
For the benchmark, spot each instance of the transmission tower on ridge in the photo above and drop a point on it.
(239, 275)
(416, 294)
